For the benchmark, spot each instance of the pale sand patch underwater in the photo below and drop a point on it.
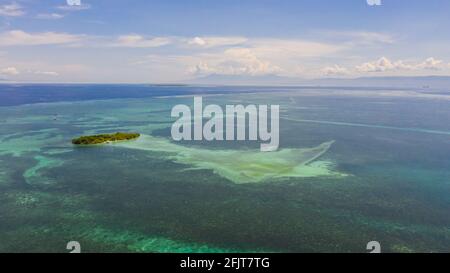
(243, 166)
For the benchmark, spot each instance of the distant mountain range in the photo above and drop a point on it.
(395, 82)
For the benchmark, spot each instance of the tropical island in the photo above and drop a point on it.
(104, 138)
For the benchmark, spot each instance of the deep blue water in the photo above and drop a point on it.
(18, 94)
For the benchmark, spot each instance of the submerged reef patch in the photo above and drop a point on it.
(33, 141)
(137, 242)
(33, 175)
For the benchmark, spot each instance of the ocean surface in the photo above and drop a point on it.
(355, 165)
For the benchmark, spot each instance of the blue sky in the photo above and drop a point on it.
(174, 41)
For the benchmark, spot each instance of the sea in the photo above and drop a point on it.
(354, 165)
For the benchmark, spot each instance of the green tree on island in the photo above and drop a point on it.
(104, 138)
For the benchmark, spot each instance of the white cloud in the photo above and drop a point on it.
(50, 16)
(374, 37)
(367, 38)
(274, 47)
(285, 48)
(74, 7)
(135, 40)
(10, 71)
(431, 64)
(208, 42)
(239, 56)
(234, 61)
(73, 2)
(47, 73)
(384, 64)
(197, 41)
(22, 38)
(335, 70)
(258, 56)
(11, 10)
(186, 57)
(381, 65)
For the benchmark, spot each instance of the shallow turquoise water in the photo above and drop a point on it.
(386, 177)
